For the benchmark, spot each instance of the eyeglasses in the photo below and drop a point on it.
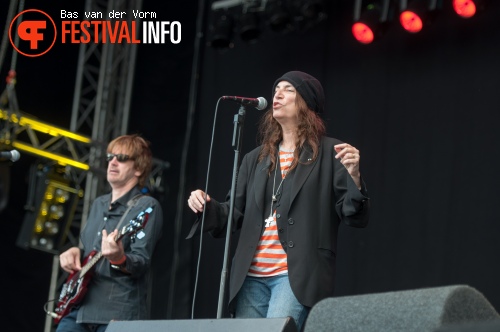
(120, 157)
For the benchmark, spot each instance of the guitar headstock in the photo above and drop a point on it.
(135, 225)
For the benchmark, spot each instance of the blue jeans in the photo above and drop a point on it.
(69, 324)
(269, 297)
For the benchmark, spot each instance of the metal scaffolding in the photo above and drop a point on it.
(101, 104)
(100, 113)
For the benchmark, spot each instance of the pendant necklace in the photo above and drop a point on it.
(274, 195)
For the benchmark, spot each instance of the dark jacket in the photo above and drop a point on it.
(112, 294)
(322, 195)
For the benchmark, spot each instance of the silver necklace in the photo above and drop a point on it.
(270, 219)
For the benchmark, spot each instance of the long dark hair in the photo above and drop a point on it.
(310, 130)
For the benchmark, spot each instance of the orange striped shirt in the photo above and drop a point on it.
(270, 258)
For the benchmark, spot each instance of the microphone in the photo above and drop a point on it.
(259, 103)
(13, 155)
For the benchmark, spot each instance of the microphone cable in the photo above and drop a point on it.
(202, 224)
(46, 309)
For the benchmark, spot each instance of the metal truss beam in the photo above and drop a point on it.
(101, 103)
(100, 112)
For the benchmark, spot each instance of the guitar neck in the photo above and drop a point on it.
(97, 257)
(138, 223)
(90, 264)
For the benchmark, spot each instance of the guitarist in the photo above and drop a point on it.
(118, 287)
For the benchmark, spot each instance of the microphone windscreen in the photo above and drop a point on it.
(262, 103)
(15, 155)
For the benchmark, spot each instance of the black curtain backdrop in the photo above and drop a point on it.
(421, 108)
(423, 111)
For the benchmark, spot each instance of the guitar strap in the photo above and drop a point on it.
(131, 203)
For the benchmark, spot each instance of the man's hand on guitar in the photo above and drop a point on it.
(70, 260)
(111, 249)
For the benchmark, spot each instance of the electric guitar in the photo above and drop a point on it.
(75, 287)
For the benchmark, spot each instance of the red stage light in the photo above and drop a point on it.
(464, 8)
(362, 33)
(410, 21)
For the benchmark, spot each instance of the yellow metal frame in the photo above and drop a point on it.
(61, 160)
(48, 129)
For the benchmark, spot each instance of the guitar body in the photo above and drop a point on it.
(75, 287)
(73, 290)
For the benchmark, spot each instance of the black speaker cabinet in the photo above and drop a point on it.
(417, 310)
(486, 326)
(206, 325)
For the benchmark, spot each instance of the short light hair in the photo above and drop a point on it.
(138, 149)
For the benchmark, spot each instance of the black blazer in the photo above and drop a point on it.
(322, 195)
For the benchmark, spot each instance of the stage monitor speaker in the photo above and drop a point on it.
(286, 324)
(414, 310)
(486, 326)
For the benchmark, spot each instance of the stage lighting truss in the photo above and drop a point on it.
(370, 19)
(21, 132)
(373, 17)
(416, 15)
(249, 23)
(50, 209)
(309, 13)
(468, 8)
(279, 16)
(251, 18)
(222, 31)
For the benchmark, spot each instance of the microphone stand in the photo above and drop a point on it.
(239, 120)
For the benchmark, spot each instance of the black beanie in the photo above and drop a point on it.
(307, 86)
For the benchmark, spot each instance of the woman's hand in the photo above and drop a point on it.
(197, 200)
(349, 157)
